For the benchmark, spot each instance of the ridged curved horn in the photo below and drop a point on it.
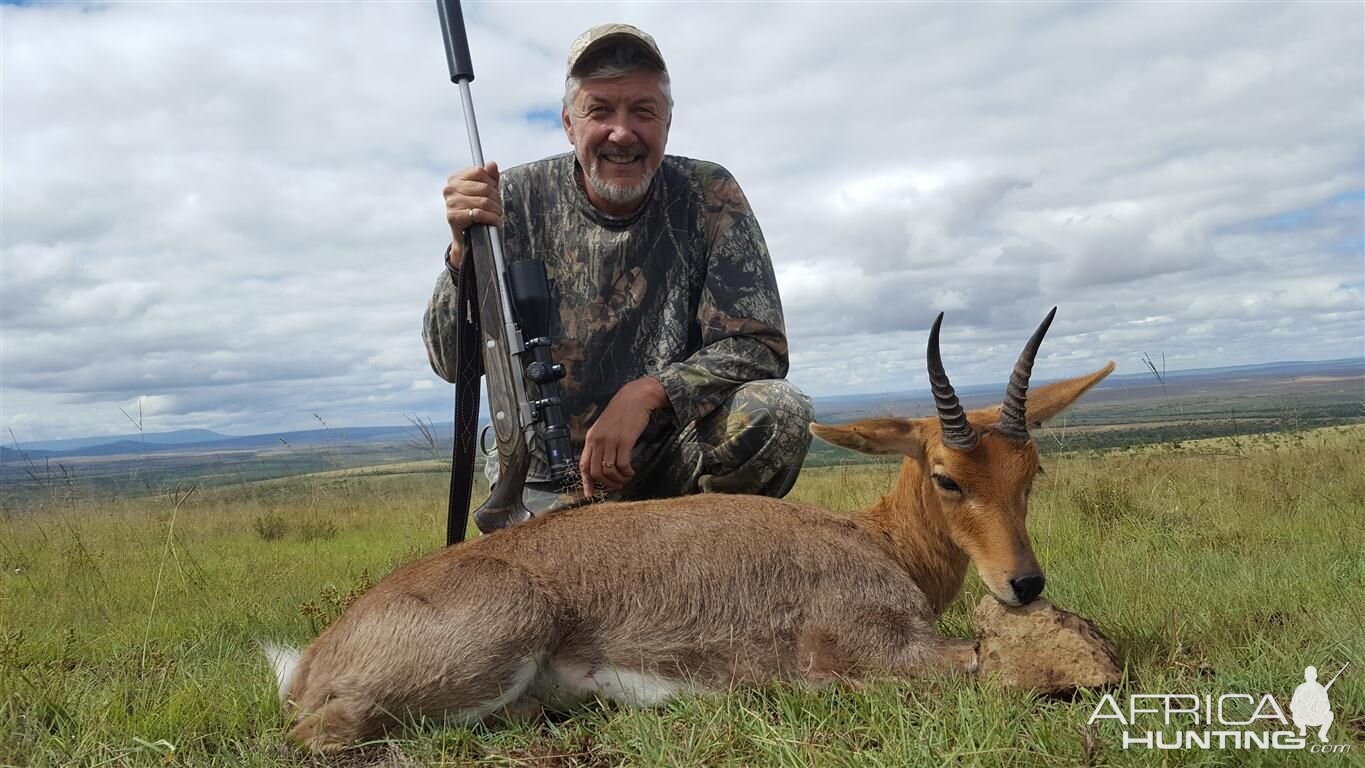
(957, 433)
(1013, 425)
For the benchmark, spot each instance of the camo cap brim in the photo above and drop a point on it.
(603, 34)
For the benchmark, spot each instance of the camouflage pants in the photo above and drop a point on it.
(754, 442)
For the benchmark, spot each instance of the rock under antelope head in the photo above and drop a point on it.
(975, 468)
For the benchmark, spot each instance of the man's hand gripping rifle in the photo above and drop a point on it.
(513, 313)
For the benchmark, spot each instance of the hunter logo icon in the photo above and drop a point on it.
(1234, 720)
(1310, 707)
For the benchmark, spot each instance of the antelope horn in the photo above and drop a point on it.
(957, 433)
(1013, 425)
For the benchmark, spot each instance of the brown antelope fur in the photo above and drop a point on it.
(638, 601)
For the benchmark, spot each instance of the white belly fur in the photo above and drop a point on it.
(567, 684)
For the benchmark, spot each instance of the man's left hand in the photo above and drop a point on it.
(605, 463)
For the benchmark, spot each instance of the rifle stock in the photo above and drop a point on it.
(506, 398)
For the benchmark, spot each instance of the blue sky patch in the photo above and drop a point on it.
(1287, 221)
(545, 117)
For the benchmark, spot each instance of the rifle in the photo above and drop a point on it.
(496, 302)
(1329, 685)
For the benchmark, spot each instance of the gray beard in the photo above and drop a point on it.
(618, 194)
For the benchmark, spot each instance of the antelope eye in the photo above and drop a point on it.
(947, 484)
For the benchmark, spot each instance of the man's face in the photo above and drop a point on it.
(618, 128)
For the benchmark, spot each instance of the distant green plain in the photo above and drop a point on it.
(129, 624)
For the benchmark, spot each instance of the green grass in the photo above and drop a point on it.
(128, 627)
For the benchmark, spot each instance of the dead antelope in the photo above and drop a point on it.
(636, 602)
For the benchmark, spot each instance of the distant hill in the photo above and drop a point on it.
(1125, 386)
(178, 437)
(1141, 385)
(214, 442)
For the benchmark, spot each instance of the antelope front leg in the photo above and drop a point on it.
(958, 655)
(904, 650)
(936, 655)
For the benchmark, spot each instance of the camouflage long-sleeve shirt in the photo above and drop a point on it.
(682, 290)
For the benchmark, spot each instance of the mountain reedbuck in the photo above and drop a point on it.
(638, 601)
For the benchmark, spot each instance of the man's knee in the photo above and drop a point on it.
(775, 402)
(756, 440)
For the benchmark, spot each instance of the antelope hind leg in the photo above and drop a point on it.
(408, 653)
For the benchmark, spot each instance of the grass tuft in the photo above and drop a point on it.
(270, 526)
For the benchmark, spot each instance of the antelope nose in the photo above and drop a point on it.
(1028, 588)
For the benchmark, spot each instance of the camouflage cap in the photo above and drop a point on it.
(602, 34)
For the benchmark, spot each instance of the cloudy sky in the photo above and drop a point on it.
(231, 212)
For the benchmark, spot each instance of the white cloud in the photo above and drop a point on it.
(232, 211)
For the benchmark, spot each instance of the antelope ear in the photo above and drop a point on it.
(878, 437)
(1051, 399)
(1046, 401)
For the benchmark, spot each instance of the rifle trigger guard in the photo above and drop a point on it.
(483, 440)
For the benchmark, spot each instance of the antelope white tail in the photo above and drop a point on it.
(284, 660)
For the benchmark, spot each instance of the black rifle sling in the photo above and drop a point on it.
(468, 369)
